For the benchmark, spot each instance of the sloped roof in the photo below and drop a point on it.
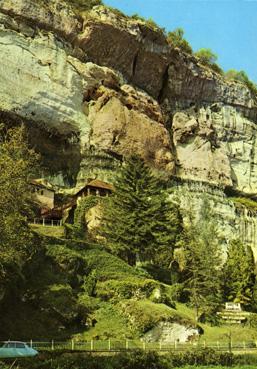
(100, 184)
(41, 182)
(96, 183)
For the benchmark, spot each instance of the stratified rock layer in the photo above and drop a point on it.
(102, 86)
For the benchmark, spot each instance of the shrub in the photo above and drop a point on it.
(136, 360)
(242, 77)
(176, 39)
(149, 22)
(208, 58)
(200, 357)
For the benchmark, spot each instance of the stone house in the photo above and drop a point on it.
(95, 187)
(42, 193)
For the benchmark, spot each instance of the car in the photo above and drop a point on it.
(16, 349)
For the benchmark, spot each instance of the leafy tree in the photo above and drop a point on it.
(238, 274)
(202, 262)
(176, 39)
(207, 57)
(139, 219)
(16, 163)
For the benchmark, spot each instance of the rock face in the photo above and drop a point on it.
(98, 86)
(170, 332)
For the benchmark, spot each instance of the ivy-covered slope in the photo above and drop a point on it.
(73, 288)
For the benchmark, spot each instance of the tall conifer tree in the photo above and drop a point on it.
(139, 219)
(202, 262)
(238, 272)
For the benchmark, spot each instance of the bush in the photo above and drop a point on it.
(208, 58)
(176, 39)
(200, 357)
(135, 360)
(242, 77)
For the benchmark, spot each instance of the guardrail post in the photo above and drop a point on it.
(92, 345)
(175, 344)
(72, 344)
(109, 345)
(143, 345)
(127, 344)
(52, 345)
(31, 343)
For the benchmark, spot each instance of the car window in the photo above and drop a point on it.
(20, 345)
(14, 345)
(9, 345)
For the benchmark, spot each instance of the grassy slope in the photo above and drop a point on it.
(215, 334)
(120, 303)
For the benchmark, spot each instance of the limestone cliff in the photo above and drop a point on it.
(97, 86)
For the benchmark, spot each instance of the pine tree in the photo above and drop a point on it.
(238, 274)
(138, 219)
(202, 262)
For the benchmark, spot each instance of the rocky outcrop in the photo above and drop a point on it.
(119, 127)
(53, 15)
(38, 83)
(171, 332)
(189, 83)
(98, 86)
(216, 144)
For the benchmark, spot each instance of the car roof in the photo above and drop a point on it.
(15, 342)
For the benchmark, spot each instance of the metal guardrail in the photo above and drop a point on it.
(113, 345)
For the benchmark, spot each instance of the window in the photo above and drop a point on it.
(20, 345)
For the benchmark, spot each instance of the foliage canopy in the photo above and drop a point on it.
(16, 164)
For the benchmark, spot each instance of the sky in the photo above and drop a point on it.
(227, 27)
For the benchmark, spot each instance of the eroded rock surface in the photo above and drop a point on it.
(171, 332)
(102, 86)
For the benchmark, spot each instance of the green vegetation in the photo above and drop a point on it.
(202, 358)
(145, 223)
(16, 239)
(202, 272)
(149, 22)
(56, 231)
(238, 274)
(80, 228)
(84, 5)
(208, 58)
(176, 39)
(245, 202)
(124, 285)
(241, 76)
